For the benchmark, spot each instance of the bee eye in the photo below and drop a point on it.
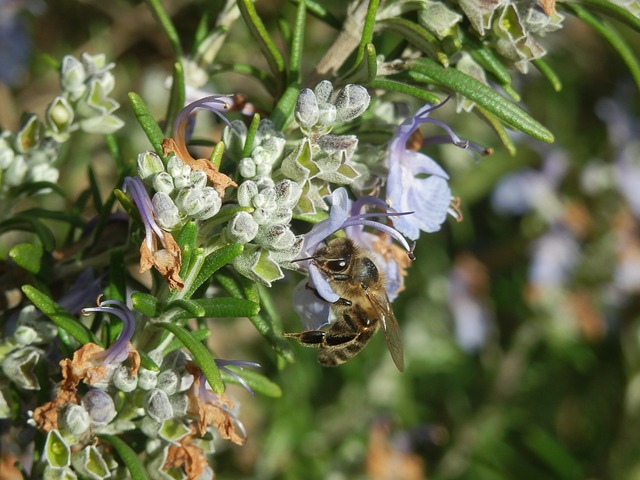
(336, 265)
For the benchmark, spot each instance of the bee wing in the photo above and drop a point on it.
(392, 333)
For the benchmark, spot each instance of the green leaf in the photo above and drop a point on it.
(28, 224)
(200, 335)
(147, 122)
(201, 356)
(187, 241)
(216, 155)
(488, 60)
(117, 288)
(251, 133)
(613, 37)
(319, 11)
(498, 127)
(615, 11)
(59, 316)
(484, 96)
(417, 35)
(283, 111)
(191, 307)
(394, 86)
(549, 74)
(213, 262)
(258, 382)
(297, 42)
(372, 62)
(146, 304)
(116, 154)
(266, 45)
(129, 457)
(165, 22)
(95, 189)
(147, 362)
(176, 99)
(367, 34)
(28, 256)
(223, 307)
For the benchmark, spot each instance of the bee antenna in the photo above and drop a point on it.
(303, 259)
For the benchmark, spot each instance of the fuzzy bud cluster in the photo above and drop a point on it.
(181, 192)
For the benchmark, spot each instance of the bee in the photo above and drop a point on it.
(362, 308)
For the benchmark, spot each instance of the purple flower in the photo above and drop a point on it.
(167, 260)
(119, 350)
(224, 364)
(416, 182)
(344, 215)
(216, 103)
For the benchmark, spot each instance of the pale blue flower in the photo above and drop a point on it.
(416, 182)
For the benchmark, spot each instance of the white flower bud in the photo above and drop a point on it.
(16, 172)
(149, 163)
(198, 179)
(212, 202)
(307, 112)
(287, 193)
(323, 91)
(182, 181)
(167, 213)
(150, 427)
(261, 216)
(75, 419)
(147, 379)
(72, 77)
(25, 335)
(234, 138)
(175, 167)
(242, 228)
(163, 182)
(43, 172)
(59, 115)
(6, 153)
(100, 406)
(327, 114)
(277, 237)
(175, 360)
(168, 382)
(246, 191)
(123, 380)
(247, 168)
(189, 201)
(352, 101)
(157, 405)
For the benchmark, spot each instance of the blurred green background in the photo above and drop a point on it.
(551, 386)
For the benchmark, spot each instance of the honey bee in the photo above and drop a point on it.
(362, 308)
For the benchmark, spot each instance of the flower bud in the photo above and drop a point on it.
(439, 19)
(198, 179)
(17, 171)
(323, 91)
(167, 213)
(6, 152)
(176, 168)
(147, 379)
(72, 77)
(168, 382)
(75, 419)
(25, 335)
(242, 228)
(246, 191)
(173, 431)
(179, 404)
(328, 114)
(352, 101)
(100, 406)
(189, 201)
(150, 427)
(123, 380)
(175, 360)
(212, 202)
(234, 138)
(307, 112)
(29, 134)
(163, 183)
(287, 193)
(277, 237)
(247, 168)
(157, 405)
(149, 163)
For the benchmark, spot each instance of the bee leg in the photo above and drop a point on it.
(322, 339)
(311, 338)
(341, 302)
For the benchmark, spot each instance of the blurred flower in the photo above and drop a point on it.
(315, 311)
(15, 44)
(225, 364)
(416, 182)
(167, 260)
(554, 256)
(468, 285)
(121, 348)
